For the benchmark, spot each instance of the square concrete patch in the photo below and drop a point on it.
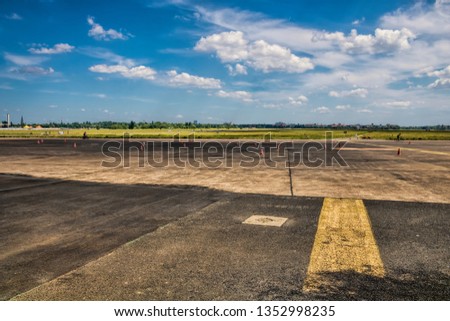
(265, 220)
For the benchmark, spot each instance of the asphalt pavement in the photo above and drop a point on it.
(87, 241)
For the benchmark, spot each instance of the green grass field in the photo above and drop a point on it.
(256, 134)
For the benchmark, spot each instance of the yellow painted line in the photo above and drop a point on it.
(344, 242)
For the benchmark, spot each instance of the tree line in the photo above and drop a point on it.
(226, 125)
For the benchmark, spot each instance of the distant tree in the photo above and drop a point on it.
(227, 125)
(131, 125)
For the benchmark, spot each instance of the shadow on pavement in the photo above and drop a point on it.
(397, 286)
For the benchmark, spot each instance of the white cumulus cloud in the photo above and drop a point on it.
(99, 33)
(238, 69)
(444, 82)
(358, 21)
(440, 73)
(228, 46)
(443, 76)
(56, 49)
(142, 72)
(297, 101)
(185, 79)
(358, 92)
(384, 40)
(343, 107)
(403, 104)
(240, 94)
(260, 55)
(322, 110)
(266, 57)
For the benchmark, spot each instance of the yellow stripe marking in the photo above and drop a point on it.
(344, 242)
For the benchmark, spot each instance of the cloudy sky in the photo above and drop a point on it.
(253, 61)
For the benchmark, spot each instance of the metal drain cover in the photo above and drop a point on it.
(265, 220)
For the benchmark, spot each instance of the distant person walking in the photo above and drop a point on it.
(85, 136)
(398, 136)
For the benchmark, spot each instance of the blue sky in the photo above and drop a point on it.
(254, 61)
